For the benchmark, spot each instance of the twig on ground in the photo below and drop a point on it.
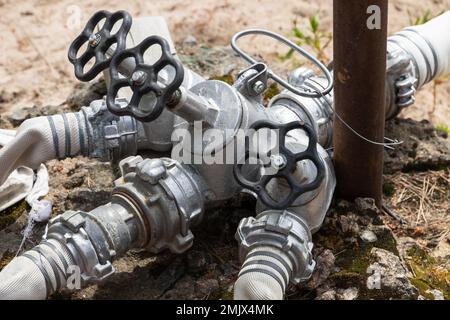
(392, 214)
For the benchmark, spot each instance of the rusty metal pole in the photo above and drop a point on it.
(360, 35)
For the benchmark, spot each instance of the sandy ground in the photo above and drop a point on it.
(35, 36)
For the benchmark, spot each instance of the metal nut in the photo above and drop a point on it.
(138, 77)
(258, 87)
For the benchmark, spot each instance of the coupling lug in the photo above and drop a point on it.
(278, 224)
(80, 232)
(151, 170)
(72, 220)
(129, 164)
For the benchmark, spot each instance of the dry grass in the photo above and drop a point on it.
(423, 201)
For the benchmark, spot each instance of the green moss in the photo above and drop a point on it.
(442, 128)
(345, 279)
(7, 257)
(271, 91)
(412, 153)
(9, 215)
(354, 262)
(388, 189)
(227, 295)
(221, 294)
(387, 242)
(429, 272)
(423, 287)
(227, 78)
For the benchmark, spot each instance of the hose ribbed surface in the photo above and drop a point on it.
(41, 139)
(265, 275)
(37, 273)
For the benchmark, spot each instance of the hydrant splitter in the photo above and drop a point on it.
(155, 202)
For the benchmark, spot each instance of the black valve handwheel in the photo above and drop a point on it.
(286, 166)
(144, 80)
(98, 43)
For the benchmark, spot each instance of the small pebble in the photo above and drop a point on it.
(190, 40)
(368, 236)
(438, 295)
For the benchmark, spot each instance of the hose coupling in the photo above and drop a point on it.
(169, 197)
(281, 230)
(86, 242)
(110, 137)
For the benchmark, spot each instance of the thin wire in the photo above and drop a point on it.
(388, 145)
(26, 234)
(384, 144)
(320, 93)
